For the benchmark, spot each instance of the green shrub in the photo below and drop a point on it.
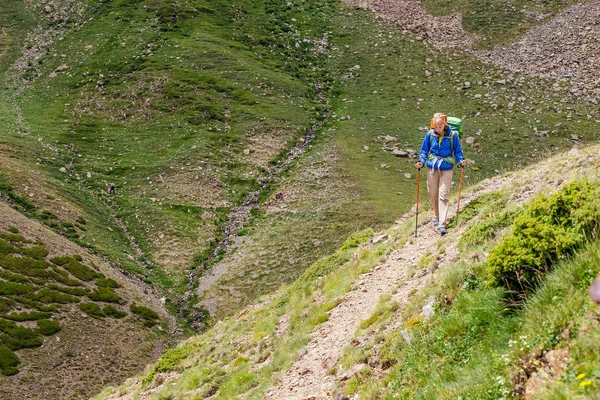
(113, 312)
(9, 276)
(76, 291)
(37, 252)
(487, 229)
(92, 309)
(53, 296)
(549, 229)
(5, 304)
(104, 294)
(483, 204)
(60, 260)
(169, 360)
(27, 316)
(25, 266)
(107, 283)
(17, 337)
(12, 289)
(150, 317)
(48, 327)
(13, 229)
(6, 248)
(11, 237)
(8, 361)
(357, 239)
(79, 270)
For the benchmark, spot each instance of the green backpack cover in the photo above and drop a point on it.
(456, 125)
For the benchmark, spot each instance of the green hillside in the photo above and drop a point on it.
(247, 140)
(186, 106)
(481, 340)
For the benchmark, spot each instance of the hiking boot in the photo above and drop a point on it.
(443, 230)
(436, 222)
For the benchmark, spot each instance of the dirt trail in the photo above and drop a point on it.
(307, 378)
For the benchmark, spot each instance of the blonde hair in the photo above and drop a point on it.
(437, 118)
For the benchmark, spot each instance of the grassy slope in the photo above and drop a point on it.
(177, 106)
(465, 341)
(165, 101)
(390, 95)
(71, 361)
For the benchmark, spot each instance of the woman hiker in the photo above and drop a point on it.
(440, 155)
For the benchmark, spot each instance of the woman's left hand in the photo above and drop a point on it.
(463, 163)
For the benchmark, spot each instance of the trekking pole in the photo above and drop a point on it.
(418, 190)
(462, 170)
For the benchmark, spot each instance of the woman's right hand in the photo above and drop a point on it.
(419, 165)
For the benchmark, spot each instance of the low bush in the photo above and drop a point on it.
(53, 296)
(550, 228)
(149, 316)
(76, 291)
(18, 337)
(357, 239)
(8, 361)
(6, 248)
(113, 312)
(169, 360)
(37, 252)
(79, 270)
(106, 295)
(27, 316)
(12, 237)
(9, 276)
(107, 283)
(92, 309)
(25, 266)
(48, 327)
(15, 289)
(60, 260)
(487, 229)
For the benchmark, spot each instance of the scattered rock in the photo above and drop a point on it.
(399, 152)
(470, 140)
(353, 371)
(406, 335)
(366, 148)
(63, 170)
(246, 152)
(595, 291)
(407, 175)
(380, 238)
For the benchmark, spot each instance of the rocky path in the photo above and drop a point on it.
(308, 378)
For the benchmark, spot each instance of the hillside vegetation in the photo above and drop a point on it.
(183, 105)
(464, 331)
(56, 302)
(247, 140)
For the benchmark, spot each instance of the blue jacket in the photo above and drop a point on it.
(438, 156)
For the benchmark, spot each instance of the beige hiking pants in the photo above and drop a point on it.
(438, 186)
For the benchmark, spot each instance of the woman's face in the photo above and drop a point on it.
(439, 127)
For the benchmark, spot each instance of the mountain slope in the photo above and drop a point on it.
(95, 337)
(300, 342)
